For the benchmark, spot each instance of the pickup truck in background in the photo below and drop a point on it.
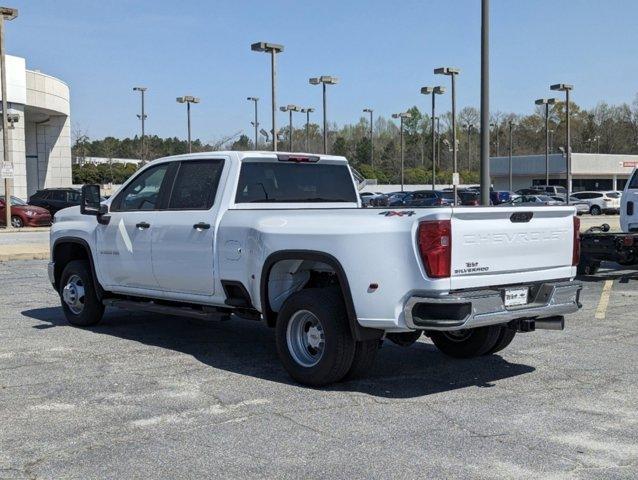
(599, 244)
(281, 238)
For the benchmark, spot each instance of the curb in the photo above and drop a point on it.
(25, 230)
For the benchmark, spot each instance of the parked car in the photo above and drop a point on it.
(530, 191)
(277, 238)
(55, 199)
(601, 202)
(581, 206)
(534, 200)
(469, 197)
(24, 215)
(396, 199)
(429, 198)
(373, 199)
(501, 196)
(552, 190)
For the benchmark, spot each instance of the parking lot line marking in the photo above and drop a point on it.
(601, 311)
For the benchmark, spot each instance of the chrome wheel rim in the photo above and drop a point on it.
(458, 335)
(16, 222)
(73, 294)
(305, 338)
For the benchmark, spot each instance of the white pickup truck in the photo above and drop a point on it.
(282, 238)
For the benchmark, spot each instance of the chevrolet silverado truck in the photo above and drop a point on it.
(599, 244)
(281, 238)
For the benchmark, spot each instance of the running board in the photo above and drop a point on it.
(180, 311)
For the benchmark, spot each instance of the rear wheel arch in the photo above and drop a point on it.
(358, 332)
(66, 250)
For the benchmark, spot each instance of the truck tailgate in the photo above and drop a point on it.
(510, 245)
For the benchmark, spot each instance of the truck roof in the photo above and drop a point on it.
(252, 154)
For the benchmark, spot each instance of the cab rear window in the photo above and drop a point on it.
(291, 182)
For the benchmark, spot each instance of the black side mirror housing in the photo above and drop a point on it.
(90, 201)
(605, 227)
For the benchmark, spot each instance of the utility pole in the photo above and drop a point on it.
(453, 72)
(6, 13)
(324, 80)
(402, 116)
(255, 123)
(188, 99)
(371, 112)
(564, 87)
(547, 102)
(142, 117)
(307, 111)
(511, 125)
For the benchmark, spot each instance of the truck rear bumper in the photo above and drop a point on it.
(478, 308)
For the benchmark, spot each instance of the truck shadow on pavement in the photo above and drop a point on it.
(612, 271)
(248, 348)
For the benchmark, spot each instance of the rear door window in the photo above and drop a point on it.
(196, 185)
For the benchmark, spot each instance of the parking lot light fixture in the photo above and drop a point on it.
(188, 99)
(255, 123)
(547, 102)
(371, 112)
(402, 116)
(290, 108)
(452, 72)
(142, 117)
(324, 80)
(264, 133)
(434, 91)
(307, 111)
(273, 49)
(6, 14)
(567, 88)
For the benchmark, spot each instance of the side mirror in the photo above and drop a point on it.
(605, 227)
(90, 201)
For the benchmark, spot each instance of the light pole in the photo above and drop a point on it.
(547, 102)
(564, 87)
(371, 112)
(290, 108)
(402, 116)
(495, 125)
(307, 111)
(511, 127)
(452, 72)
(324, 80)
(469, 127)
(188, 99)
(434, 91)
(142, 117)
(6, 13)
(255, 123)
(273, 49)
(485, 103)
(438, 141)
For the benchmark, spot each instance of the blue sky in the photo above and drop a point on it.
(382, 51)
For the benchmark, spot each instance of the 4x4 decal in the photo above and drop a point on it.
(397, 213)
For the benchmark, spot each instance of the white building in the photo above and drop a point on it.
(40, 141)
(590, 171)
(99, 160)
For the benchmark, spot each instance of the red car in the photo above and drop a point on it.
(24, 215)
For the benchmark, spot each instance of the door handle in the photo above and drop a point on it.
(201, 226)
(143, 225)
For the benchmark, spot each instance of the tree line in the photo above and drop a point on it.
(602, 129)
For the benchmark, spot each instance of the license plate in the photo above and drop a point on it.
(515, 296)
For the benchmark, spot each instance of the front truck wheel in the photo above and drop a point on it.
(467, 343)
(81, 306)
(313, 337)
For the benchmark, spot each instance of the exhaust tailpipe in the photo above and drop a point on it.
(550, 323)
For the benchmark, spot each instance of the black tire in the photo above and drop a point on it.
(467, 343)
(92, 309)
(505, 337)
(364, 356)
(595, 210)
(16, 222)
(338, 353)
(587, 267)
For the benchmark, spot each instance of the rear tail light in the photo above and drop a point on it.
(435, 247)
(576, 248)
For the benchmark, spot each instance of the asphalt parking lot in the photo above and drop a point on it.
(150, 396)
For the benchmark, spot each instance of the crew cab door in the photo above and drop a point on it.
(184, 233)
(124, 244)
